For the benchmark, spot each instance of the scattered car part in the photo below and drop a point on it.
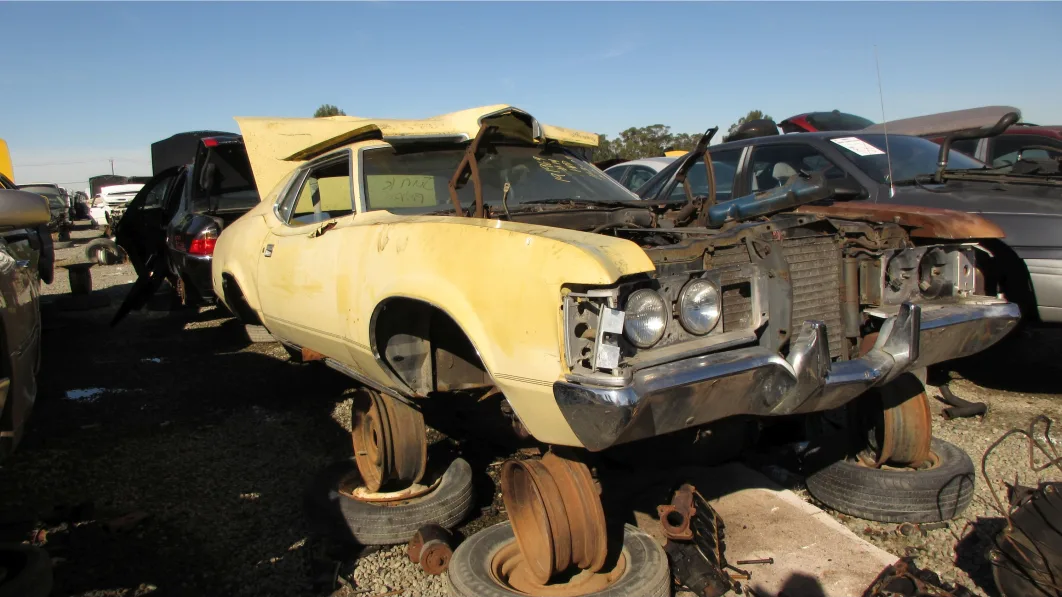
(80, 276)
(430, 547)
(905, 579)
(25, 571)
(768, 561)
(959, 408)
(104, 251)
(390, 441)
(1027, 558)
(940, 492)
(908, 529)
(897, 421)
(695, 544)
(489, 564)
(333, 511)
(554, 507)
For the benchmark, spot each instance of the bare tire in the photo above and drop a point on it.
(899, 495)
(366, 523)
(27, 571)
(258, 333)
(647, 573)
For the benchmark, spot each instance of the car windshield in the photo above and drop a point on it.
(54, 202)
(910, 157)
(837, 121)
(417, 181)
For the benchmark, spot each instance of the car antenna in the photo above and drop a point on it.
(885, 126)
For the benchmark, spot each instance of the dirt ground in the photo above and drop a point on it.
(169, 456)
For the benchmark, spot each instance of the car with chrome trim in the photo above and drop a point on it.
(471, 263)
(872, 169)
(170, 228)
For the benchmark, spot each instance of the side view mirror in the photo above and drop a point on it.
(22, 209)
(846, 188)
(209, 174)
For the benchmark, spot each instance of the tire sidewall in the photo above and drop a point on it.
(468, 575)
(851, 488)
(365, 523)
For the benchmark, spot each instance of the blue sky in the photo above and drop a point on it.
(89, 81)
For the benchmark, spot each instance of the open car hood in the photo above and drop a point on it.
(276, 146)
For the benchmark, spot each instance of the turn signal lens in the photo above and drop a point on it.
(202, 246)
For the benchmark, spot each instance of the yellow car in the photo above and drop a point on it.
(474, 262)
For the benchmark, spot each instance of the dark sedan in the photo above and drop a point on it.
(902, 170)
(170, 227)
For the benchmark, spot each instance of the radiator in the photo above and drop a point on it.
(815, 272)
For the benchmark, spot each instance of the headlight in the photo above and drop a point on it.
(646, 318)
(698, 307)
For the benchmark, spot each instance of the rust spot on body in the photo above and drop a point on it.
(925, 222)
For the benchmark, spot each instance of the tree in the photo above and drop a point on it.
(643, 142)
(752, 115)
(328, 110)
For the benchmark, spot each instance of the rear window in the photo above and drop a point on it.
(232, 185)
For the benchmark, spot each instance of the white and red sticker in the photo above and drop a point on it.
(857, 146)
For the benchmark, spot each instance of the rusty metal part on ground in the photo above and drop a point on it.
(959, 408)
(556, 513)
(905, 579)
(431, 547)
(695, 545)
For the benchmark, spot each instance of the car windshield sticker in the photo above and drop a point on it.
(857, 146)
(409, 190)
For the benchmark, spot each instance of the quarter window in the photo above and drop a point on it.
(324, 193)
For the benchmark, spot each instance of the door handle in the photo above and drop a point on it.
(267, 251)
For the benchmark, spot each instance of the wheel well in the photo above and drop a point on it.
(236, 302)
(1007, 273)
(424, 348)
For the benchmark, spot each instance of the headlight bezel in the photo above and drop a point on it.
(629, 318)
(682, 306)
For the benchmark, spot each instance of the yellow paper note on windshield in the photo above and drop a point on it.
(391, 190)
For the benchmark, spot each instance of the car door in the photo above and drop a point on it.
(141, 233)
(303, 263)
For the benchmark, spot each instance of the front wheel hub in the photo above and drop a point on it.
(390, 441)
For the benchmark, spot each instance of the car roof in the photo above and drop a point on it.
(945, 122)
(656, 162)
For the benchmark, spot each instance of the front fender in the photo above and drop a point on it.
(501, 283)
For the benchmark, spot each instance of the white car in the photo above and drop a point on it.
(635, 173)
(108, 207)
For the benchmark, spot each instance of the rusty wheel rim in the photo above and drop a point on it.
(527, 513)
(586, 517)
(509, 569)
(907, 425)
(390, 441)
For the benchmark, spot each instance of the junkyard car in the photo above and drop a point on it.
(170, 227)
(1027, 266)
(472, 253)
(110, 208)
(60, 216)
(634, 173)
(835, 120)
(22, 216)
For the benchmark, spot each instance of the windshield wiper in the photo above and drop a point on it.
(577, 201)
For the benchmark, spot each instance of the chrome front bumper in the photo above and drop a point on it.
(756, 381)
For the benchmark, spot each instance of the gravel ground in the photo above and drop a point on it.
(168, 456)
